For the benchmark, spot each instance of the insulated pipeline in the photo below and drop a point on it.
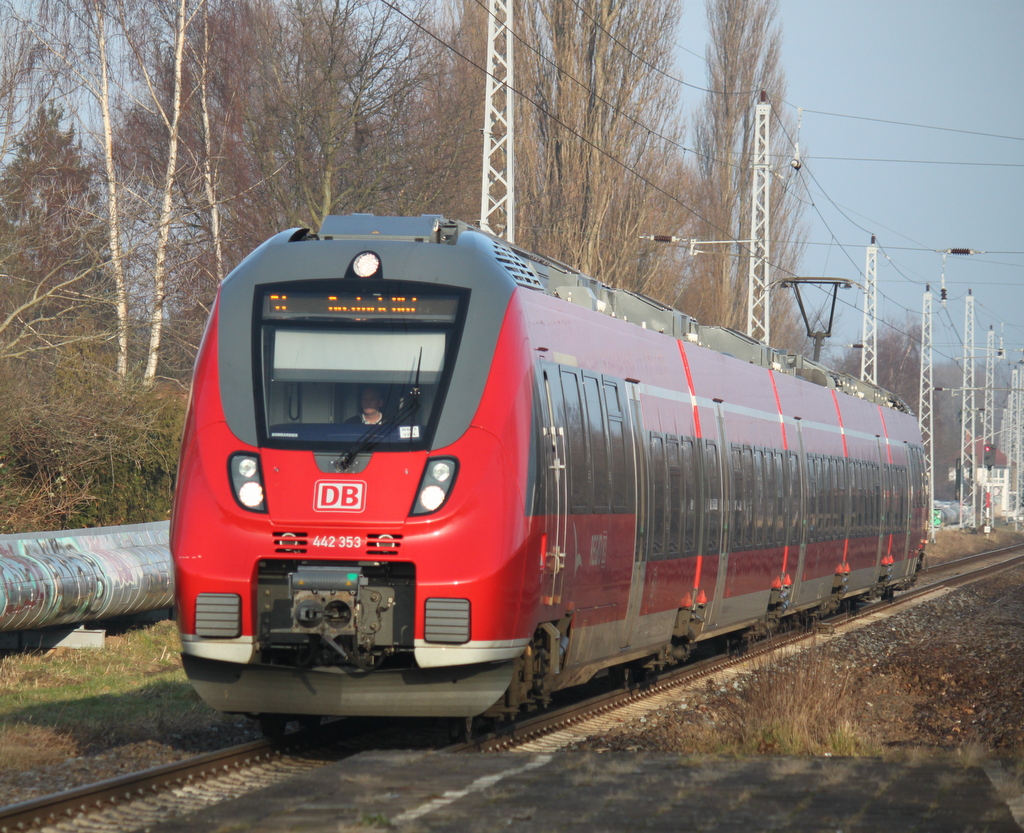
(72, 576)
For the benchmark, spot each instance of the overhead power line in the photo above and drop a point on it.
(920, 161)
(910, 124)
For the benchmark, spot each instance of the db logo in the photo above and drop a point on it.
(339, 496)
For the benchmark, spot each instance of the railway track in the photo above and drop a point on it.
(132, 802)
(556, 729)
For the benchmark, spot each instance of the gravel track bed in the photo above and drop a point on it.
(945, 675)
(16, 787)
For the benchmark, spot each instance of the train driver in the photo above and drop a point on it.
(371, 405)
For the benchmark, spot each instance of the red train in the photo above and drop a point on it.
(425, 473)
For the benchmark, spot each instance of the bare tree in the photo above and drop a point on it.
(50, 243)
(327, 122)
(46, 195)
(110, 54)
(170, 116)
(599, 134)
(19, 61)
(744, 59)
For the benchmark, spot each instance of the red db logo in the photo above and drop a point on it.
(339, 496)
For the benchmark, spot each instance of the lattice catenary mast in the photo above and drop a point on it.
(497, 204)
(869, 352)
(988, 434)
(967, 444)
(925, 399)
(758, 310)
(1015, 409)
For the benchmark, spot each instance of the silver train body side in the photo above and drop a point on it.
(72, 576)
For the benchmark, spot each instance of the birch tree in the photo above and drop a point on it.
(170, 116)
(109, 53)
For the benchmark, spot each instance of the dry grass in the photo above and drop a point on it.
(803, 706)
(23, 746)
(800, 705)
(63, 702)
(957, 543)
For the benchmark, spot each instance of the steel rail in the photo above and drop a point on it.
(53, 808)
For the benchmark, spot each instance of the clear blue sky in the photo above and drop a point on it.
(949, 64)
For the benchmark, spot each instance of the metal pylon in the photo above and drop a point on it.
(988, 416)
(497, 204)
(1015, 409)
(758, 310)
(925, 402)
(869, 352)
(967, 444)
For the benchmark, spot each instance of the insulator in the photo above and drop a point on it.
(959, 251)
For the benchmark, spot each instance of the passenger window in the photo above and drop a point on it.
(621, 473)
(712, 498)
(576, 431)
(760, 509)
(689, 498)
(736, 537)
(598, 446)
(657, 509)
(675, 497)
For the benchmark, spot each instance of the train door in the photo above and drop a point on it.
(555, 477)
(797, 463)
(728, 534)
(639, 473)
(884, 503)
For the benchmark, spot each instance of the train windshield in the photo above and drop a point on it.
(343, 370)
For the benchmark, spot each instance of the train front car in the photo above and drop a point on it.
(349, 527)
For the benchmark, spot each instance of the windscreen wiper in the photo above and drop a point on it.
(376, 432)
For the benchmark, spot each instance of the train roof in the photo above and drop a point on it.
(543, 274)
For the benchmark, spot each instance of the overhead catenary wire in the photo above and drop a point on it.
(911, 124)
(843, 247)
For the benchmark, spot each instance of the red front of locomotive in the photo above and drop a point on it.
(351, 517)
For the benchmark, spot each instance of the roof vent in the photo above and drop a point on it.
(518, 268)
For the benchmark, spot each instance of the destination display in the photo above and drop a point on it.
(362, 306)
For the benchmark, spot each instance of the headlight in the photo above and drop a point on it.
(251, 495)
(247, 482)
(436, 484)
(366, 264)
(441, 470)
(431, 498)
